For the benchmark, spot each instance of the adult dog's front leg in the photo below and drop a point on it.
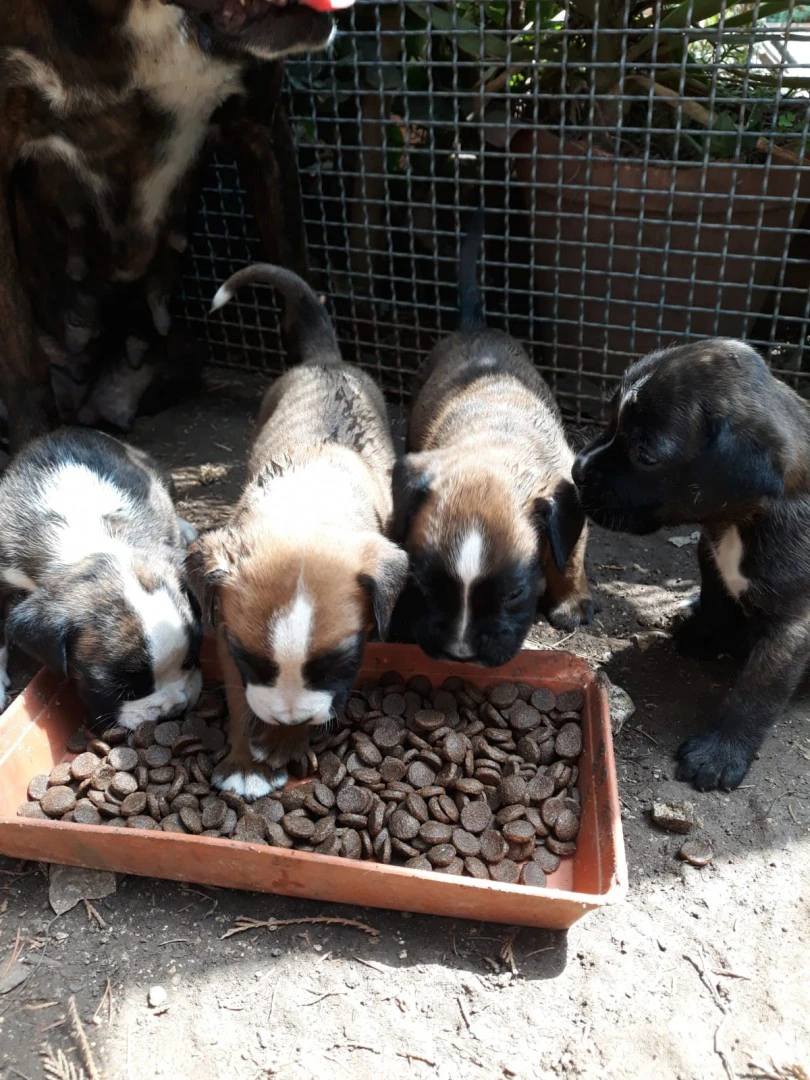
(721, 757)
(25, 376)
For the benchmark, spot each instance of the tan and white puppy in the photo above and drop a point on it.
(304, 569)
(484, 501)
(92, 582)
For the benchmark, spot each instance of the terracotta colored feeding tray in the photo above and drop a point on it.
(33, 736)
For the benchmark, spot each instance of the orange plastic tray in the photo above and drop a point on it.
(35, 728)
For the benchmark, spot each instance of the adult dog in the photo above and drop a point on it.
(106, 106)
(703, 433)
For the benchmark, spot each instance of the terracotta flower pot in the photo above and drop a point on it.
(630, 258)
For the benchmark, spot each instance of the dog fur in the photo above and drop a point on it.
(304, 569)
(106, 107)
(484, 502)
(92, 580)
(704, 434)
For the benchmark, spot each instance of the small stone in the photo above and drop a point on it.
(697, 851)
(57, 801)
(156, 997)
(674, 817)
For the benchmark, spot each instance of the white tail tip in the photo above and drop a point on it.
(221, 297)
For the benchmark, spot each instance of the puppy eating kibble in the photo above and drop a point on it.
(704, 434)
(304, 570)
(484, 501)
(92, 577)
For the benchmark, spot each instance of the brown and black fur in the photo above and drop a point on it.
(704, 434)
(313, 518)
(487, 456)
(82, 280)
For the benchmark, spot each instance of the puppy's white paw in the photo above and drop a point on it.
(248, 784)
(188, 533)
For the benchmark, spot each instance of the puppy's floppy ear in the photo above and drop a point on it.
(210, 559)
(42, 629)
(560, 519)
(384, 580)
(743, 468)
(411, 481)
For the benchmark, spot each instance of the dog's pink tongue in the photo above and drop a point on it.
(327, 5)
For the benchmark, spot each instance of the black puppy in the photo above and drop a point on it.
(703, 433)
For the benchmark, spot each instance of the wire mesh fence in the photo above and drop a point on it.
(642, 167)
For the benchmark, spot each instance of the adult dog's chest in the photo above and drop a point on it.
(130, 146)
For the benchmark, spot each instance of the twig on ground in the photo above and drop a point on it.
(415, 1057)
(174, 941)
(772, 1071)
(243, 924)
(57, 1066)
(733, 975)
(329, 993)
(354, 1046)
(701, 970)
(15, 952)
(646, 735)
(720, 1051)
(93, 912)
(81, 1038)
(371, 964)
(106, 996)
(463, 1012)
(272, 1004)
(507, 952)
(35, 1006)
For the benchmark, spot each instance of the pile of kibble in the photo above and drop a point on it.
(456, 779)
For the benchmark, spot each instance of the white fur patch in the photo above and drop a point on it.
(83, 499)
(469, 566)
(52, 147)
(728, 554)
(186, 84)
(631, 393)
(290, 702)
(25, 69)
(18, 580)
(253, 785)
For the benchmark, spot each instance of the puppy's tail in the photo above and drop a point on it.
(470, 307)
(309, 330)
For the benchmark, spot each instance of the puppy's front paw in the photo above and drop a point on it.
(571, 613)
(696, 636)
(248, 779)
(714, 760)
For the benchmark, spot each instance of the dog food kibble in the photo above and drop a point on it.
(450, 780)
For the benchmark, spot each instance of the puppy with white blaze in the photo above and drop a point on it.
(304, 570)
(484, 501)
(92, 577)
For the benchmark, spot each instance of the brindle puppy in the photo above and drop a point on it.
(704, 434)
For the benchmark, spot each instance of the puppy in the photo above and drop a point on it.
(484, 502)
(92, 577)
(304, 570)
(704, 434)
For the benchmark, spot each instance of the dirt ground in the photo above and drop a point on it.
(701, 973)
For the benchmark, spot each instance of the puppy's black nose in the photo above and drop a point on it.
(577, 472)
